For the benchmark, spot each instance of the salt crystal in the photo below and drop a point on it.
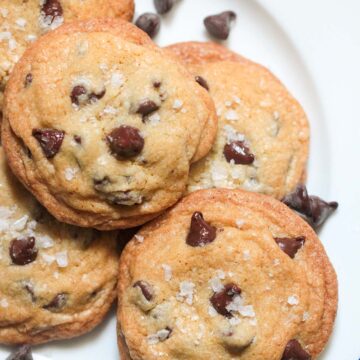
(139, 238)
(5, 35)
(4, 12)
(231, 115)
(216, 284)
(4, 303)
(246, 255)
(44, 241)
(167, 272)
(117, 79)
(56, 275)
(70, 173)
(186, 292)
(154, 118)
(211, 311)
(62, 258)
(234, 321)
(306, 316)
(110, 110)
(239, 223)
(293, 300)
(20, 224)
(177, 104)
(21, 22)
(49, 259)
(30, 37)
(161, 335)
(247, 311)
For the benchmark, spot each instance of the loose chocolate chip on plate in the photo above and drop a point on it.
(57, 303)
(163, 6)
(28, 80)
(125, 141)
(52, 9)
(150, 23)
(219, 25)
(23, 251)
(23, 353)
(294, 351)
(291, 246)
(220, 300)
(239, 153)
(200, 233)
(50, 140)
(201, 81)
(146, 107)
(312, 208)
(145, 288)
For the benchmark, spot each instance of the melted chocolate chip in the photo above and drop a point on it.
(77, 139)
(79, 95)
(57, 303)
(239, 153)
(219, 25)
(163, 6)
(76, 92)
(50, 140)
(294, 351)
(146, 289)
(23, 251)
(30, 290)
(201, 81)
(201, 233)
(312, 208)
(290, 246)
(146, 107)
(28, 80)
(52, 9)
(93, 97)
(23, 353)
(125, 141)
(222, 299)
(150, 23)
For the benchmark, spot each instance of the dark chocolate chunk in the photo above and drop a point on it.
(156, 84)
(200, 233)
(163, 6)
(146, 289)
(146, 107)
(220, 300)
(219, 25)
(294, 351)
(57, 303)
(51, 9)
(201, 81)
(125, 141)
(50, 140)
(22, 353)
(23, 251)
(312, 208)
(239, 153)
(290, 246)
(149, 23)
(28, 80)
(76, 92)
(79, 95)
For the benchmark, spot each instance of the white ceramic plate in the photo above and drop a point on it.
(314, 48)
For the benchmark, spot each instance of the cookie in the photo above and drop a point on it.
(58, 281)
(102, 126)
(226, 274)
(263, 137)
(22, 22)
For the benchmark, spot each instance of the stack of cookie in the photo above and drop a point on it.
(107, 131)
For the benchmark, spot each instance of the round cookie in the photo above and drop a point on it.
(226, 274)
(102, 126)
(58, 281)
(263, 136)
(22, 22)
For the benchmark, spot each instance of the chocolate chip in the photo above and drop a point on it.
(145, 288)
(163, 6)
(28, 80)
(150, 23)
(50, 140)
(76, 92)
(201, 233)
(201, 81)
(93, 97)
(239, 153)
(146, 107)
(77, 139)
(220, 300)
(290, 246)
(312, 208)
(125, 141)
(156, 84)
(219, 25)
(22, 353)
(57, 303)
(23, 251)
(52, 9)
(28, 286)
(294, 351)
(127, 198)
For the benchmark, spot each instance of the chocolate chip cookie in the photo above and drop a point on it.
(226, 274)
(22, 22)
(263, 137)
(102, 126)
(57, 281)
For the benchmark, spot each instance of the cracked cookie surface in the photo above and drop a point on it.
(22, 22)
(102, 126)
(225, 274)
(263, 137)
(58, 281)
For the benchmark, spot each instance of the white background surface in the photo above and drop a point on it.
(314, 48)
